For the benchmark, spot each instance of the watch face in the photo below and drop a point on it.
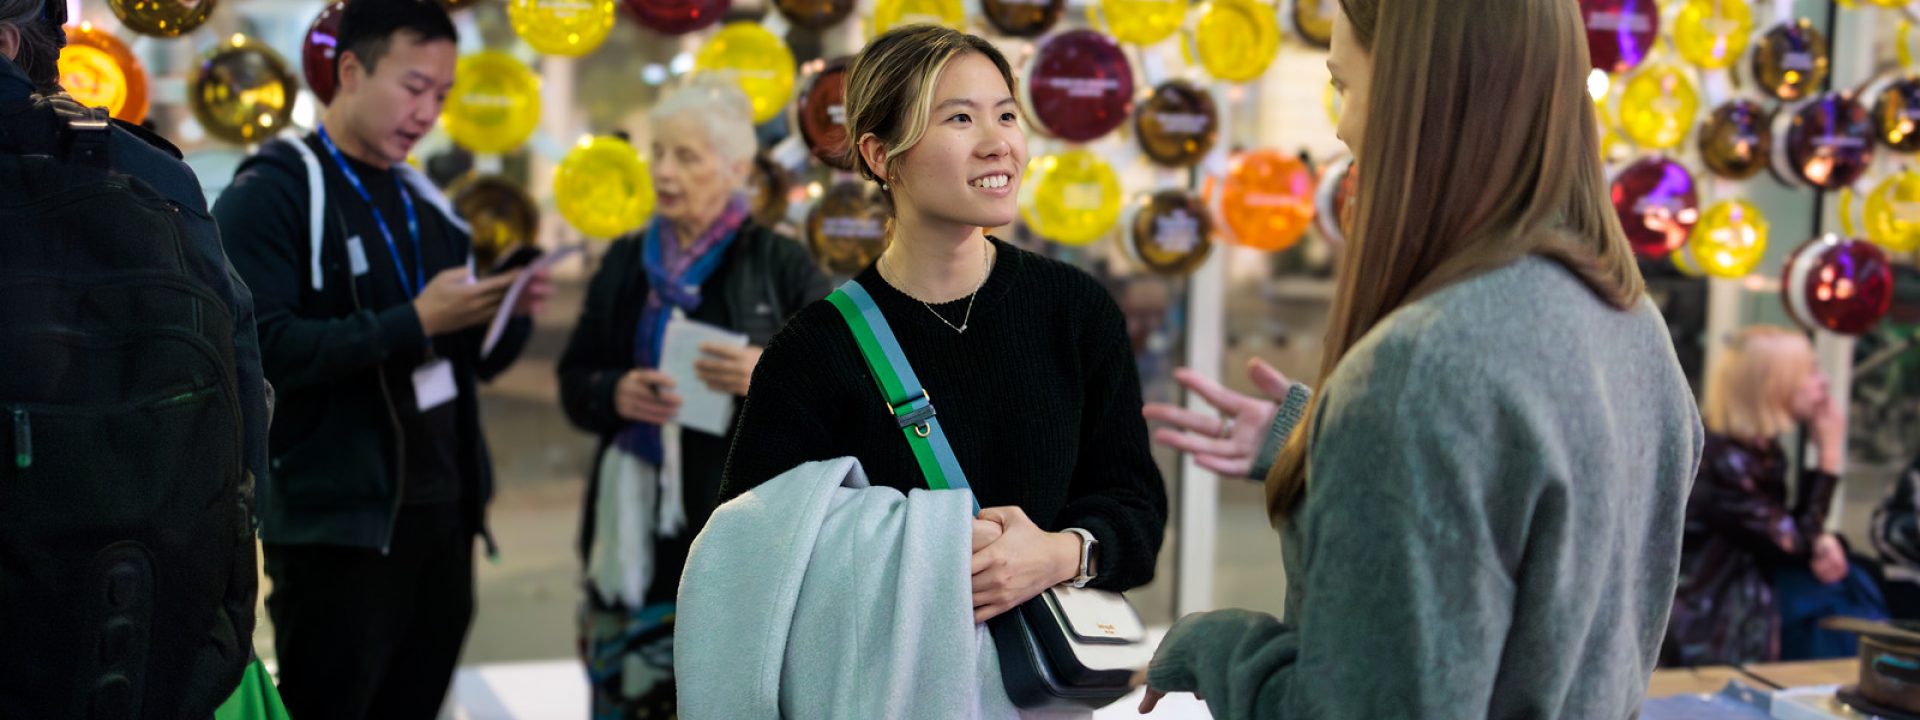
(1658, 205)
(1736, 142)
(1791, 61)
(1177, 125)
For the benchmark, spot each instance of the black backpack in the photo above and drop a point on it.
(127, 575)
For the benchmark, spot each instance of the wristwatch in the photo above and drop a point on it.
(1089, 558)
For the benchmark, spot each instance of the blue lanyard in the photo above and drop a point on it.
(419, 281)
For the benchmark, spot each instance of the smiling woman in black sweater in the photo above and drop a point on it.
(1026, 359)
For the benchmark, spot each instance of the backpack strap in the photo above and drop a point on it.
(316, 206)
(906, 400)
(55, 125)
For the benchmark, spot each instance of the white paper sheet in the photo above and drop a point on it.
(702, 408)
(500, 319)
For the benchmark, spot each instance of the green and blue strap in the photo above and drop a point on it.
(905, 398)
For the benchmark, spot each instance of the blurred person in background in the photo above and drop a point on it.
(706, 256)
(1747, 542)
(371, 325)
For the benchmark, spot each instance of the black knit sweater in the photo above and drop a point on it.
(1039, 397)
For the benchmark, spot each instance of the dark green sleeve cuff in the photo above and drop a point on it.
(1292, 409)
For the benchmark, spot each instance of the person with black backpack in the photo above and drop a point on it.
(372, 329)
(133, 413)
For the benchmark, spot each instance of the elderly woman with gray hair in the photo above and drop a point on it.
(703, 258)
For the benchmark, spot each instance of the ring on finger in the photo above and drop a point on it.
(1226, 427)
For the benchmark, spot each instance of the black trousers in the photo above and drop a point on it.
(364, 635)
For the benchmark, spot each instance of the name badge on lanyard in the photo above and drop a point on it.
(433, 382)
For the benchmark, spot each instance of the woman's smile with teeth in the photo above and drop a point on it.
(991, 181)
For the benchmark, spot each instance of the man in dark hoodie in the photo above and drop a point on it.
(372, 328)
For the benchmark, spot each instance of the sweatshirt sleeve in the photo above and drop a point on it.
(264, 228)
(1406, 607)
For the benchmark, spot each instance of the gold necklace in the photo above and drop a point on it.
(986, 256)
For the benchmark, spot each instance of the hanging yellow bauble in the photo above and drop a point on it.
(603, 188)
(1729, 241)
(889, 14)
(1713, 33)
(757, 59)
(99, 70)
(162, 18)
(241, 91)
(1236, 39)
(569, 28)
(1142, 22)
(1658, 106)
(495, 103)
(1893, 213)
(1072, 198)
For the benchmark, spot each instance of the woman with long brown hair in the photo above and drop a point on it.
(1482, 513)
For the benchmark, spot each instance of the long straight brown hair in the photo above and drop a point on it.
(1480, 147)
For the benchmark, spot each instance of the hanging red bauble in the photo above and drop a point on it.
(1079, 86)
(1658, 203)
(821, 111)
(318, 50)
(677, 17)
(1838, 284)
(1620, 33)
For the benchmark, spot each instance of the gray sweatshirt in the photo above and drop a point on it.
(1497, 482)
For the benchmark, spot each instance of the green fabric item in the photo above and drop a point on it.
(1497, 481)
(255, 699)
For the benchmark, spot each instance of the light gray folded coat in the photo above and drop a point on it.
(816, 595)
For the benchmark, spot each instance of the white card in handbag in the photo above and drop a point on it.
(1097, 616)
(1106, 633)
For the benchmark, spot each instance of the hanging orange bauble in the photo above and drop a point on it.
(1266, 199)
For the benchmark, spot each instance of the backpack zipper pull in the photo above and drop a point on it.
(22, 439)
